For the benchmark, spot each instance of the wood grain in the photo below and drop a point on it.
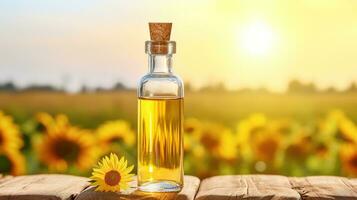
(187, 193)
(325, 187)
(41, 187)
(246, 187)
(66, 187)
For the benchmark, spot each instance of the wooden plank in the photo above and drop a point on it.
(246, 187)
(187, 193)
(66, 187)
(325, 187)
(4, 178)
(41, 187)
(353, 182)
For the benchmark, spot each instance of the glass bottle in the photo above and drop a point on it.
(160, 119)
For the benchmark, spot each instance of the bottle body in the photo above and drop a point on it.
(160, 128)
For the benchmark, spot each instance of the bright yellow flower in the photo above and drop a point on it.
(300, 147)
(112, 174)
(192, 145)
(248, 127)
(348, 154)
(228, 148)
(49, 122)
(192, 125)
(210, 136)
(62, 147)
(188, 144)
(114, 131)
(44, 119)
(9, 134)
(198, 151)
(338, 125)
(348, 130)
(265, 145)
(12, 162)
(324, 149)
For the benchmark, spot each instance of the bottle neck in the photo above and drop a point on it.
(160, 63)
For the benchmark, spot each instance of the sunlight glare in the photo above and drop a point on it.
(257, 38)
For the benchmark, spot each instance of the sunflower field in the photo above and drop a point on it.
(48, 143)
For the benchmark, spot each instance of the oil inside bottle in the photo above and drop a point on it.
(160, 144)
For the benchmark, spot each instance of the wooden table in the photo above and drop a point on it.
(40, 187)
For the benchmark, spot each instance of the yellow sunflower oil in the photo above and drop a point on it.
(160, 117)
(160, 141)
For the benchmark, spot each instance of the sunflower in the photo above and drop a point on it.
(210, 136)
(348, 130)
(322, 149)
(337, 125)
(188, 144)
(192, 125)
(192, 145)
(192, 128)
(250, 126)
(9, 134)
(46, 121)
(12, 162)
(62, 147)
(348, 155)
(246, 129)
(228, 148)
(115, 131)
(300, 147)
(266, 144)
(112, 174)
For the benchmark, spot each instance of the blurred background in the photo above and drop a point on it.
(270, 85)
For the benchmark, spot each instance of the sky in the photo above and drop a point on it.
(241, 43)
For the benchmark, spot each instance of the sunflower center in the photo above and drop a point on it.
(189, 129)
(353, 161)
(209, 141)
(112, 178)
(41, 127)
(116, 139)
(5, 164)
(1, 137)
(67, 150)
(268, 148)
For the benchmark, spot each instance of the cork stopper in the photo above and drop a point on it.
(160, 39)
(160, 31)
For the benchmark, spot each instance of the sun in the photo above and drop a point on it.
(257, 38)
